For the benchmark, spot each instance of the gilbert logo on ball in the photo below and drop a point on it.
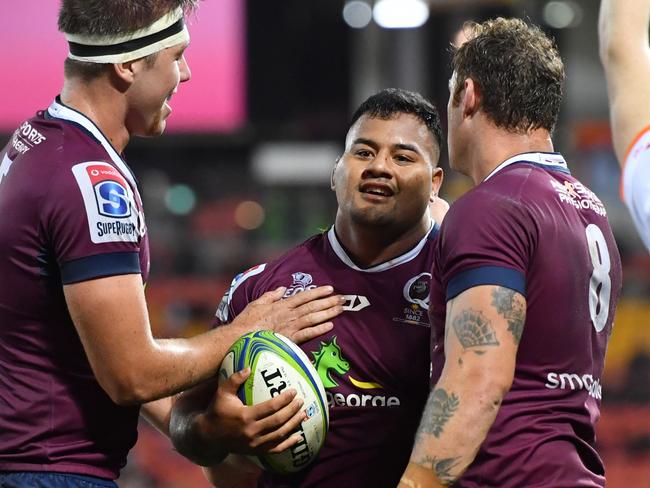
(277, 364)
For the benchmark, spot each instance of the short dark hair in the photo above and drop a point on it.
(110, 17)
(518, 70)
(390, 102)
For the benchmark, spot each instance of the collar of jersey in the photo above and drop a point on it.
(59, 111)
(552, 161)
(392, 263)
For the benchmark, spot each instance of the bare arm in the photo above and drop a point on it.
(625, 54)
(133, 367)
(158, 413)
(482, 332)
(210, 421)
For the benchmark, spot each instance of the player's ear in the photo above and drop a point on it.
(336, 164)
(436, 182)
(127, 72)
(470, 97)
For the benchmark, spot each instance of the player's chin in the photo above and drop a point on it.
(373, 217)
(157, 126)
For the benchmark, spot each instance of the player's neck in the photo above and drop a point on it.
(369, 246)
(103, 105)
(498, 145)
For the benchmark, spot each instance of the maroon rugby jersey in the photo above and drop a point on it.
(532, 227)
(375, 363)
(69, 212)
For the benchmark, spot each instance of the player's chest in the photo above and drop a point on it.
(384, 324)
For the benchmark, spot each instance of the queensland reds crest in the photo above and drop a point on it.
(110, 191)
(416, 290)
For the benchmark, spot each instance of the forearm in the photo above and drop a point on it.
(454, 424)
(482, 332)
(623, 30)
(187, 431)
(625, 54)
(158, 413)
(164, 367)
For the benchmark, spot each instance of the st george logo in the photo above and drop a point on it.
(329, 358)
(112, 199)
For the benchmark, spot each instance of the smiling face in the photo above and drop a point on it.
(152, 88)
(387, 174)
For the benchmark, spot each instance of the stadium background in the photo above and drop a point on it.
(242, 172)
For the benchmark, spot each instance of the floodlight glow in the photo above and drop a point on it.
(357, 14)
(401, 14)
(561, 15)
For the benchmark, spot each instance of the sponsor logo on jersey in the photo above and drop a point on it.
(301, 282)
(112, 213)
(329, 361)
(573, 381)
(355, 303)
(26, 137)
(579, 196)
(416, 293)
(111, 192)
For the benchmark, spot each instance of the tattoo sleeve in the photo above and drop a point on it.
(474, 331)
(442, 467)
(509, 305)
(440, 407)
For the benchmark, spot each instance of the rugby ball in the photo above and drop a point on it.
(278, 364)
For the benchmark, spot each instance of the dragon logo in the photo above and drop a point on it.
(329, 358)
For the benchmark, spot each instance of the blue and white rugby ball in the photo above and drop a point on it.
(277, 364)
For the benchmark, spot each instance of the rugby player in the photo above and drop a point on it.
(525, 283)
(375, 362)
(77, 356)
(625, 55)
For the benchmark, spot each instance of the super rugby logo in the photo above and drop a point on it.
(110, 204)
(110, 191)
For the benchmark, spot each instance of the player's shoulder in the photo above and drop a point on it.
(258, 275)
(54, 143)
(312, 250)
(255, 281)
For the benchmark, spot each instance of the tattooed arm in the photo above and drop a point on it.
(482, 332)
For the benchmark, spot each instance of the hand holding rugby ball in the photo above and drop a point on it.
(277, 364)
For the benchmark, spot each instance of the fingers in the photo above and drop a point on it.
(279, 427)
(269, 407)
(232, 384)
(308, 295)
(303, 335)
(325, 309)
(271, 296)
(286, 444)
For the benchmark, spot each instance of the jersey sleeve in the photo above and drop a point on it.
(241, 292)
(92, 222)
(485, 239)
(636, 184)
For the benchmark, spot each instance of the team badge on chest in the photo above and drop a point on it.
(416, 293)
